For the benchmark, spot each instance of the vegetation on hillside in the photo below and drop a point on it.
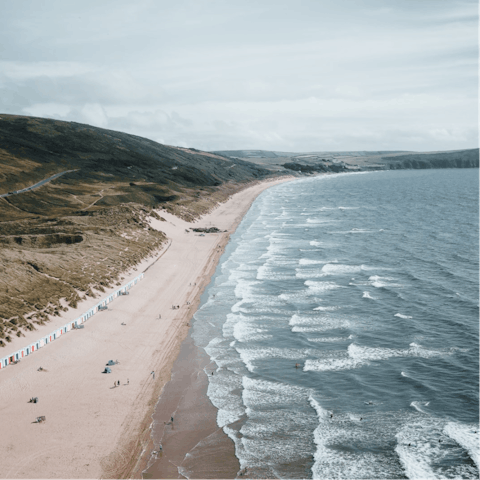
(77, 234)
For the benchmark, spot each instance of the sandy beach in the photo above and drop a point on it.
(94, 429)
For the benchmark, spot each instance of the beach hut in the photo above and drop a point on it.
(16, 356)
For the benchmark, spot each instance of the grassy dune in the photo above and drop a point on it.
(75, 235)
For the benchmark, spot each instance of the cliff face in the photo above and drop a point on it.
(455, 159)
(316, 162)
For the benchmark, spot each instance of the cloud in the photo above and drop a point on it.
(279, 75)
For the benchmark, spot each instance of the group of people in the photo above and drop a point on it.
(175, 307)
(117, 383)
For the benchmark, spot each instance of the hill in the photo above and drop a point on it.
(75, 234)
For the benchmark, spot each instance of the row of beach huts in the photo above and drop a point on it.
(74, 324)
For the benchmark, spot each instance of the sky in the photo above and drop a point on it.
(294, 75)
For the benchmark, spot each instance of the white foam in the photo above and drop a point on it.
(372, 353)
(248, 331)
(339, 269)
(218, 351)
(417, 405)
(399, 315)
(319, 221)
(322, 414)
(316, 243)
(319, 324)
(379, 282)
(467, 436)
(318, 287)
(344, 429)
(269, 272)
(328, 339)
(327, 309)
(419, 451)
(414, 463)
(307, 261)
(308, 274)
(250, 355)
(277, 430)
(330, 364)
(255, 393)
(229, 404)
(358, 356)
(354, 230)
(367, 295)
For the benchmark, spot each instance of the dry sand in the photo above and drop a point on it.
(93, 429)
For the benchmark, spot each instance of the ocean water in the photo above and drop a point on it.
(343, 326)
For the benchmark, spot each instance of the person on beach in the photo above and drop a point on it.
(114, 384)
(128, 381)
(171, 419)
(118, 383)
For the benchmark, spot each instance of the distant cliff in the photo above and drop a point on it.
(455, 159)
(307, 163)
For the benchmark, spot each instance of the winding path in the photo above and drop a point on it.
(36, 185)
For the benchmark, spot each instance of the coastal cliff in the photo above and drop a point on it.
(317, 162)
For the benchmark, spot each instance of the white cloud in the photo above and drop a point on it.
(94, 114)
(308, 75)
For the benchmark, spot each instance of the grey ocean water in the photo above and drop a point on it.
(369, 282)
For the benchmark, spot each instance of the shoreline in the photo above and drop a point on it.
(192, 446)
(195, 381)
(92, 429)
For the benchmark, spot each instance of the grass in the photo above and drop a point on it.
(75, 236)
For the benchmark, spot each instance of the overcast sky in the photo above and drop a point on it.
(295, 75)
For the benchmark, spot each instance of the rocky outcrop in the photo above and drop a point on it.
(319, 167)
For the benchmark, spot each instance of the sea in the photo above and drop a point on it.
(342, 323)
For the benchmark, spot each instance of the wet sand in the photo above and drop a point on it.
(192, 445)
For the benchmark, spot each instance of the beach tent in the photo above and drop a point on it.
(110, 362)
(107, 370)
